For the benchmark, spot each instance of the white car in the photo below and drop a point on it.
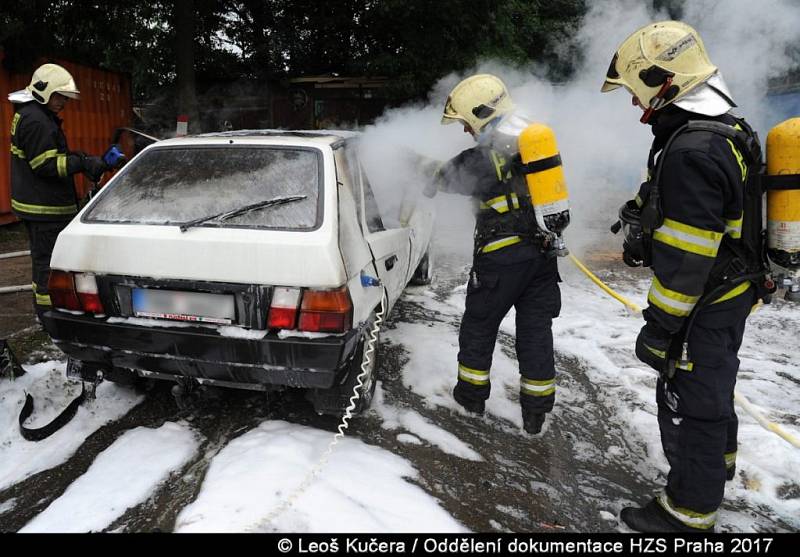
(254, 260)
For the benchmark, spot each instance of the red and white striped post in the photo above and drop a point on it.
(182, 128)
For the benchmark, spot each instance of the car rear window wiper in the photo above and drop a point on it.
(242, 210)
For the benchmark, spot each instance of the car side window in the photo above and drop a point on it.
(344, 173)
(374, 220)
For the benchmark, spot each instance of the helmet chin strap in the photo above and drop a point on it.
(656, 102)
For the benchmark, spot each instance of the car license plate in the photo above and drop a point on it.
(184, 306)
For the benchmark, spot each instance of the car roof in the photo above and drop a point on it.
(293, 137)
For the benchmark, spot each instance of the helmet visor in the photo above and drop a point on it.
(450, 115)
(613, 79)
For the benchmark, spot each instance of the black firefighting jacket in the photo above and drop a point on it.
(702, 189)
(42, 186)
(504, 231)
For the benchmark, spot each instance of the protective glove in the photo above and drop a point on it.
(653, 347)
(114, 157)
(430, 189)
(94, 167)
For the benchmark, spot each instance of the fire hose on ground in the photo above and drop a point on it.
(740, 399)
(14, 254)
(10, 289)
(21, 287)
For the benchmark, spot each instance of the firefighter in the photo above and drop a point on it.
(512, 266)
(42, 167)
(691, 223)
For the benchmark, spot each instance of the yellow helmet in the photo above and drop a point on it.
(476, 101)
(659, 64)
(49, 79)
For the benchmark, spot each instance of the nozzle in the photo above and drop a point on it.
(616, 227)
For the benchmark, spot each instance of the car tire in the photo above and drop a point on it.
(423, 275)
(367, 390)
(336, 400)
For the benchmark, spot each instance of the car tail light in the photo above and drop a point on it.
(74, 292)
(283, 309)
(62, 291)
(328, 311)
(86, 287)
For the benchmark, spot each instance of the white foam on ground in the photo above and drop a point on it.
(122, 476)
(52, 392)
(362, 489)
(413, 422)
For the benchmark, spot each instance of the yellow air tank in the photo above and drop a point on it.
(545, 178)
(783, 194)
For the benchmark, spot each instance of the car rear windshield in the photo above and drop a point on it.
(177, 185)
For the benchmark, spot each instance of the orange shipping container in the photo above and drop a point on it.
(89, 123)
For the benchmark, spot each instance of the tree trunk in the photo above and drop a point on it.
(185, 25)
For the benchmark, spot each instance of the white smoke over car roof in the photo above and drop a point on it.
(602, 143)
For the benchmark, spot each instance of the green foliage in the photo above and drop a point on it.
(414, 42)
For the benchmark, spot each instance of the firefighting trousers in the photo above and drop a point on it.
(698, 422)
(42, 236)
(531, 287)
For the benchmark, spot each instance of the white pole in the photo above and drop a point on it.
(14, 254)
(20, 288)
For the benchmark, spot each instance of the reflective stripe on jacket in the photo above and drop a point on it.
(478, 172)
(702, 188)
(42, 187)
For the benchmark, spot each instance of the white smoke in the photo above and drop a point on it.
(603, 145)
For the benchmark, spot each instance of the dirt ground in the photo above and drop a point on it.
(17, 318)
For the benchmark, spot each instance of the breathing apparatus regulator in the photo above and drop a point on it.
(483, 105)
(634, 252)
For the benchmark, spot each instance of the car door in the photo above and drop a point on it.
(418, 218)
(391, 247)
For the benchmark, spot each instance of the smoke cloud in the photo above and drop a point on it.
(602, 143)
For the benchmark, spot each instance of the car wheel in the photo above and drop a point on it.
(367, 390)
(335, 401)
(424, 273)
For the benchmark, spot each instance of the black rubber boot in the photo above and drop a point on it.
(471, 406)
(653, 518)
(730, 473)
(531, 422)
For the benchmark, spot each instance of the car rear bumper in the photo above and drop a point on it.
(203, 353)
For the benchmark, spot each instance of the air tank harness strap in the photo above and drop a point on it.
(682, 337)
(516, 166)
(37, 434)
(782, 182)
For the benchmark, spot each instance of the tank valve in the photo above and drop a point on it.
(561, 247)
